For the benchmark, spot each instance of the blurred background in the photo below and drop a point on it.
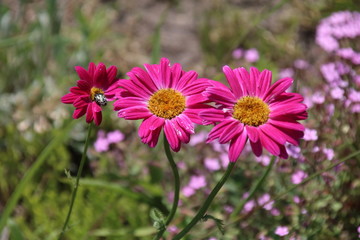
(41, 42)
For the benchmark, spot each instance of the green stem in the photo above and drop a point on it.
(254, 188)
(177, 188)
(15, 196)
(82, 162)
(207, 203)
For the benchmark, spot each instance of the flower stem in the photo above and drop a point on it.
(207, 203)
(73, 196)
(176, 191)
(254, 189)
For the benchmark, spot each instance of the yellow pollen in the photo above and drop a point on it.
(251, 111)
(95, 91)
(167, 103)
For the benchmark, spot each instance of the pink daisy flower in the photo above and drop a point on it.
(96, 86)
(166, 97)
(253, 108)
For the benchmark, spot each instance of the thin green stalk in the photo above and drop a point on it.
(254, 188)
(207, 203)
(14, 198)
(82, 162)
(176, 191)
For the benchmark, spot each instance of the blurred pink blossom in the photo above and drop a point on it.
(249, 206)
(282, 231)
(337, 93)
(237, 53)
(197, 138)
(101, 144)
(263, 159)
(115, 136)
(329, 153)
(301, 64)
(298, 176)
(251, 55)
(318, 97)
(310, 134)
(212, 164)
(286, 72)
(197, 182)
(188, 191)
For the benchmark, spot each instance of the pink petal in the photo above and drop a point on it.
(89, 113)
(165, 73)
(220, 96)
(252, 133)
(153, 137)
(273, 133)
(69, 98)
(283, 153)
(236, 146)
(185, 122)
(287, 109)
(195, 99)
(213, 115)
(153, 71)
(254, 78)
(277, 88)
(79, 112)
(196, 86)
(256, 147)
(287, 124)
(230, 131)
(129, 102)
(285, 98)
(244, 79)
(134, 113)
(81, 102)
(97, 118)
(193, 111)
(111, 74)
(171, 136)
(176, 73)
(233, 81)
(83, 74)
(185, 79)
(218, 129)
(78, 91)
(135, 90)
(84, 85)
(269, 144)
(141, 76)
(264, 83)
(91, 70)
(100, 76)
(180, 132)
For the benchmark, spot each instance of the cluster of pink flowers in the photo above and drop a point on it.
(103, 141)
(170, 99)
(338, 26)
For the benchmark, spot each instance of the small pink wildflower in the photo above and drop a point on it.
(237, 53)
(310, 134)
(329, 153)
(298, 176)
(212, 164)
(115, 136)
(282, 231)
(197, 182)
(251, 55)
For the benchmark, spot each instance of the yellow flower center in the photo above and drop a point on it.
(94, 91)
(167, 103)
(251, 111)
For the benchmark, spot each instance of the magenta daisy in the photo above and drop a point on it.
(166, 97)
(96, 86)
(253, 108)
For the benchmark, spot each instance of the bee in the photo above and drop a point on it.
(100, 99)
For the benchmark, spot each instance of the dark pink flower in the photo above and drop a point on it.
(166, 97)
(253, 108)
(96, 86)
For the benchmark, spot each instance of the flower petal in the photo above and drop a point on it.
(277, 88)
(237, 144)
(134, 113)
(171, 136)
(233, 81)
